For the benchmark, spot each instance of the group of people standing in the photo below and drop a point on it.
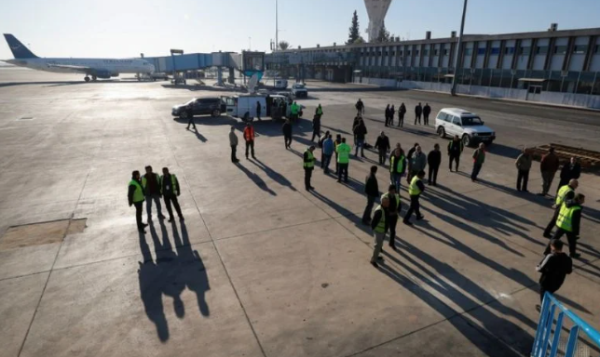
(390, 112)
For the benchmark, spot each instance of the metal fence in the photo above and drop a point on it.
(561, 332)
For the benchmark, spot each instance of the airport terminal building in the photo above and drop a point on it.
(530, 64)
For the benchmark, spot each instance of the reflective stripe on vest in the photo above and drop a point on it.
(565, 218)
(387, 194)
(562, 193)
(173, 184)
(413, 189)
(400, 167)
(311, 160)
(380, 228)
(343, 151)
(138, 194)
(144, 181)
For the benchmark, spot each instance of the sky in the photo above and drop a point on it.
(126, 28)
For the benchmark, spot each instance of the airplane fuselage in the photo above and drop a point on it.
(105, 65)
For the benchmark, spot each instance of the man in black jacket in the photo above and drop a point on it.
(418, 111)
(316, 127)
(455, 148)
(360, 131)
(387, 115)
(135, 196)
(401, 113)
(392, 212)
(287, 133)
(569, 172)
(309, 166)
(426, 112)
(569, 222)
(383, 147)
(434, 159)
(372, 192)
(189, 111)
(169, 187)
(258, 110)
(554, 269)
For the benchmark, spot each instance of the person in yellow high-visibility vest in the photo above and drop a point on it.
(135, 196)
(568, 222)
(415, 189)
(565, 193)
(343, 158)
(309, 166)
(379, 227)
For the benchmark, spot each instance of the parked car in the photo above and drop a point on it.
(299, 90)
(468, 126)
(212, 106)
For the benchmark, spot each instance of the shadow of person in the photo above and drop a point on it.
(168, 264)
(274, 175)
(256, 179)
(192, 270)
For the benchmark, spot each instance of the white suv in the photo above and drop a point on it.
(468, 126)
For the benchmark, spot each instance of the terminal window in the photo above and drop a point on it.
(541, 50)
(580, 49)
(509, 50)
(524, 50)
(560, 50)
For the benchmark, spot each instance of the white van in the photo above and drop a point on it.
(244, 106)
(468, 126)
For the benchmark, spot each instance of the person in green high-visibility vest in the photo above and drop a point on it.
(309, 166)
(170, 190)
(415, 189)
(569, 222)
(343, 158)
(294, 110)
(379, 226)
(135, 196)
(565, 193)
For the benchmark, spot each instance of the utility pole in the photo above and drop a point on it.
(459, 49)
(276, 25)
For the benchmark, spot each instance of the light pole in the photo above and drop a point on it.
(249, 43)
(459, 49)
(276, 25)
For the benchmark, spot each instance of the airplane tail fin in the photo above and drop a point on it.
(18, 49)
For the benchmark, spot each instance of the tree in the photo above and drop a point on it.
(359, 40)
(284, 45)
(384, 35)
(353, 33)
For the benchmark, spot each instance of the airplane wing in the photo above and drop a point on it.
(83, 69)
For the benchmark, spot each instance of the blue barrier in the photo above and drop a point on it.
(549, 330)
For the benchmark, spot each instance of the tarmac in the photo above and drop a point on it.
(261, 267)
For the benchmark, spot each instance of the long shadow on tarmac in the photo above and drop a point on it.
(274, 175)
(170, 274)
(256, 179)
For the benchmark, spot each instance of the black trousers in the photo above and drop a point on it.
(316, 134)
(401, 119)
(172, 199)
(433, 171)
(369, 209)
(307, 177)
(543, 290)
(417, 118)
(571, 238)
(393, 221)
(414, 207)
(191, 122)
(139, 207)
(343, 171)
(522, 179)
(426, 119)
(258, 114)
(287, 139)
(233, 153)
(454, 158)
(476, 170)
(249, 145)
(552, 222)
(382, 156)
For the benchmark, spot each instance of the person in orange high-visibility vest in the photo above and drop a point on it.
(249, 138)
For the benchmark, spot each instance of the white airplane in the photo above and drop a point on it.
(95, 67)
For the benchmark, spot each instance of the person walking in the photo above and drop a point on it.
(415, 190)
(249, 138)
(554, 268)
(343, 158)
(397, 166)
(382, 144)
(309, 166)
(328, 150)
(548, 167)
(392, 115)
(372, 192)
(319, 111)
(258, 110)
(150, 184)
(135, 196)
(418, 112)
(565, 193)
(360, 107)
(570, 171)
(338, 141)
(360, 130)
(455, 148)
(478, 160)
(418, 162)
(189, 110)
(379, 227)
(409, 156)
(569, 223)
(287, 133)
(401, 113)
(523, 165)
(387, 115)
(233, 142)
(170, 190)
(294, 110)
(393, 211)
(426, 112)
(316, 124)
(434, 159)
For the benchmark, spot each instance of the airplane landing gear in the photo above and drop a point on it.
(94, 78)
(87, 79)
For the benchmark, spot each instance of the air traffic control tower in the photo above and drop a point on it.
(376, 9)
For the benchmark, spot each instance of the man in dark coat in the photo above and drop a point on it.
(372, 192)
(401, 113)
(418, 112)
(434, 159)
(383, 147)
(570, 171)
(258, 110)
(426, 112)
(387, 115)
(287, 133)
